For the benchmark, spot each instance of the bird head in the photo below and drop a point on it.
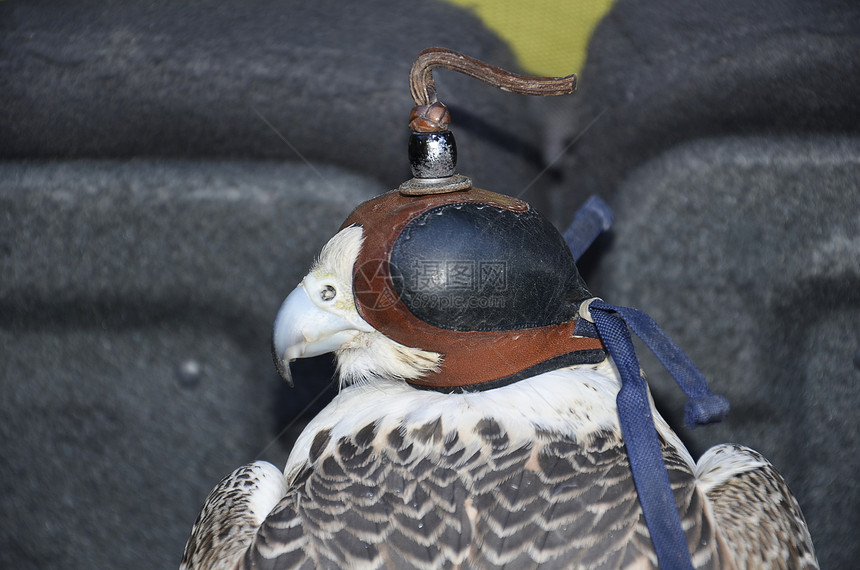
(438, 283)
(457, 291)
(321, 316)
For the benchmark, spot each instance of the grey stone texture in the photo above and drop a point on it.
(747, 252)
(324, 81)
(726, 137)
(135, 319)
(660, 73)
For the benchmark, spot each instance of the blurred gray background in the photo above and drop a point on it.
(169, 170)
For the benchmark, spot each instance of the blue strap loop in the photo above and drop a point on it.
(634, 410)
(643, 447)
(704, 407)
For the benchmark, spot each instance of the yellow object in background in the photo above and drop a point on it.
(549, 37)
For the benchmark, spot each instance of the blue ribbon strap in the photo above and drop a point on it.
(703, 406)
(590, 220)
(637, 424)
(634, 410)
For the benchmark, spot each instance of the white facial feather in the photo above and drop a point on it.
(339, 254)
(368, 355)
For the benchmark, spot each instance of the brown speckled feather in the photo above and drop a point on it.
(369, 501)
(534, 475)
(231, 515)
(755, 510)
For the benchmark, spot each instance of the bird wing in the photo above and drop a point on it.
(231, 515)
(371, 499)
(755, 511)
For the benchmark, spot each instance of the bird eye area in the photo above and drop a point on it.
(328, 293)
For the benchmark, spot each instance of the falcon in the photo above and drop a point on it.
(476, 425)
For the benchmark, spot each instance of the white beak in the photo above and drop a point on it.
(304, 329)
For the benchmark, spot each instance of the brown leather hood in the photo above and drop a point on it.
(471, 358)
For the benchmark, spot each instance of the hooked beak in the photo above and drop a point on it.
(303, 329)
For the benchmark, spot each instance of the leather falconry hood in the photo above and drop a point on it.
(479, 277)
